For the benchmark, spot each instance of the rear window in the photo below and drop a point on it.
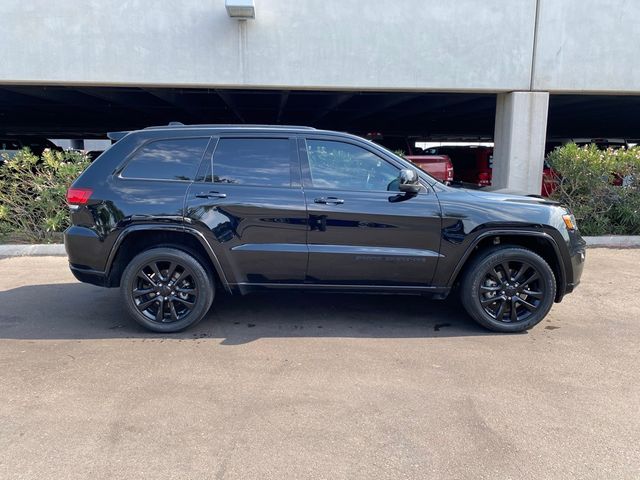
(175, 159)
(253, 161)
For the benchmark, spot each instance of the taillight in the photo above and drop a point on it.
(484, 179)
(78, 196)
(449, 173)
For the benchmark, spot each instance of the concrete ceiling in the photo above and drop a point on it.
(73, 111)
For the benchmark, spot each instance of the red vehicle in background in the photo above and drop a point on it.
(472, 163)
(549, 180)
(438, 166)
(474, 166)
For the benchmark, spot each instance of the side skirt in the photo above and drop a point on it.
(438, 293)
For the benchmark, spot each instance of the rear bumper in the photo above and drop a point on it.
(86, 255)
(84, 248)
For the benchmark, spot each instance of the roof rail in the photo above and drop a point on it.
(226, 125)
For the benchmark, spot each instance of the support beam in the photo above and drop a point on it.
(330, 106)
(119, 98)
(388, 101)
(520, 136)
(174, 99)
(228, 101)
(436, 105)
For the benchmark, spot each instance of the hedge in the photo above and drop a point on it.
(601, 187)
(33, 193)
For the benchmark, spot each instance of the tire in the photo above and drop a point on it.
(532, 291)
(163, 302)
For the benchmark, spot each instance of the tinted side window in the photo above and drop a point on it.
(253, 161)
(343, 166)
(176, 159)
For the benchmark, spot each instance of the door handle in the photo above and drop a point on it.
(211, 195)
(329, 200)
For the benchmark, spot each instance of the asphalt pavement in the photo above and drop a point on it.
(295, 386)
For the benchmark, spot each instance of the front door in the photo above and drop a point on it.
(362, 231)
(248, 202)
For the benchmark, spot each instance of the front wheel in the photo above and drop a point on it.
(508, 289)
(166, 290)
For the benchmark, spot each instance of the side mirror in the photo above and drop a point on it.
(408, 181)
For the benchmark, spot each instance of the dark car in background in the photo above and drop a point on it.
(601, 143)
(10, 145)
(176, 215)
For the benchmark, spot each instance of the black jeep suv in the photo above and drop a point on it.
(174, 214)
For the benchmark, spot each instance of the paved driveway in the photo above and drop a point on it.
(317, 386)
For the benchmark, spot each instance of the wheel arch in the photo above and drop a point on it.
(138, 238)
(541, 243)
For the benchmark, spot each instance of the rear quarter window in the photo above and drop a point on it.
(169, 159)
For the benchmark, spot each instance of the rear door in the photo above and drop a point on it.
(362, 231)
(248, 202)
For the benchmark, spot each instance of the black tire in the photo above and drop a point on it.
(166, 290)
(490, 295)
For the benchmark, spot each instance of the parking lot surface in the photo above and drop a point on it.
(293, 385)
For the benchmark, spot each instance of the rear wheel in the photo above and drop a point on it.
(166, 290)
(508, 289)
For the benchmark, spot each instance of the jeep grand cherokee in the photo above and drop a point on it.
(174, 214)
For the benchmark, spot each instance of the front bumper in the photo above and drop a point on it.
(577, 257)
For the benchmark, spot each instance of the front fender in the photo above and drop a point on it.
(547, 236)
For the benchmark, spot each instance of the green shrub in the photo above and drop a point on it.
(33, 190)
(589, 183)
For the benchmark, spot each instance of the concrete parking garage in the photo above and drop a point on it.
(497, 69)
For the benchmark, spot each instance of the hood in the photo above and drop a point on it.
(505, 195)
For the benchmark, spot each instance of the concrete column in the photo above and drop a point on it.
(520, 136)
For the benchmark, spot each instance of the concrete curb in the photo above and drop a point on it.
(57, 249)
(614, 241)
(54, 249)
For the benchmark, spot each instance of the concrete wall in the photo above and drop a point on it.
(361, 44)
(588, 45)
(459, 45)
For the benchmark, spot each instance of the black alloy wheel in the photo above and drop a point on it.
(167, 290)
(511, 291)
(508, 289)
